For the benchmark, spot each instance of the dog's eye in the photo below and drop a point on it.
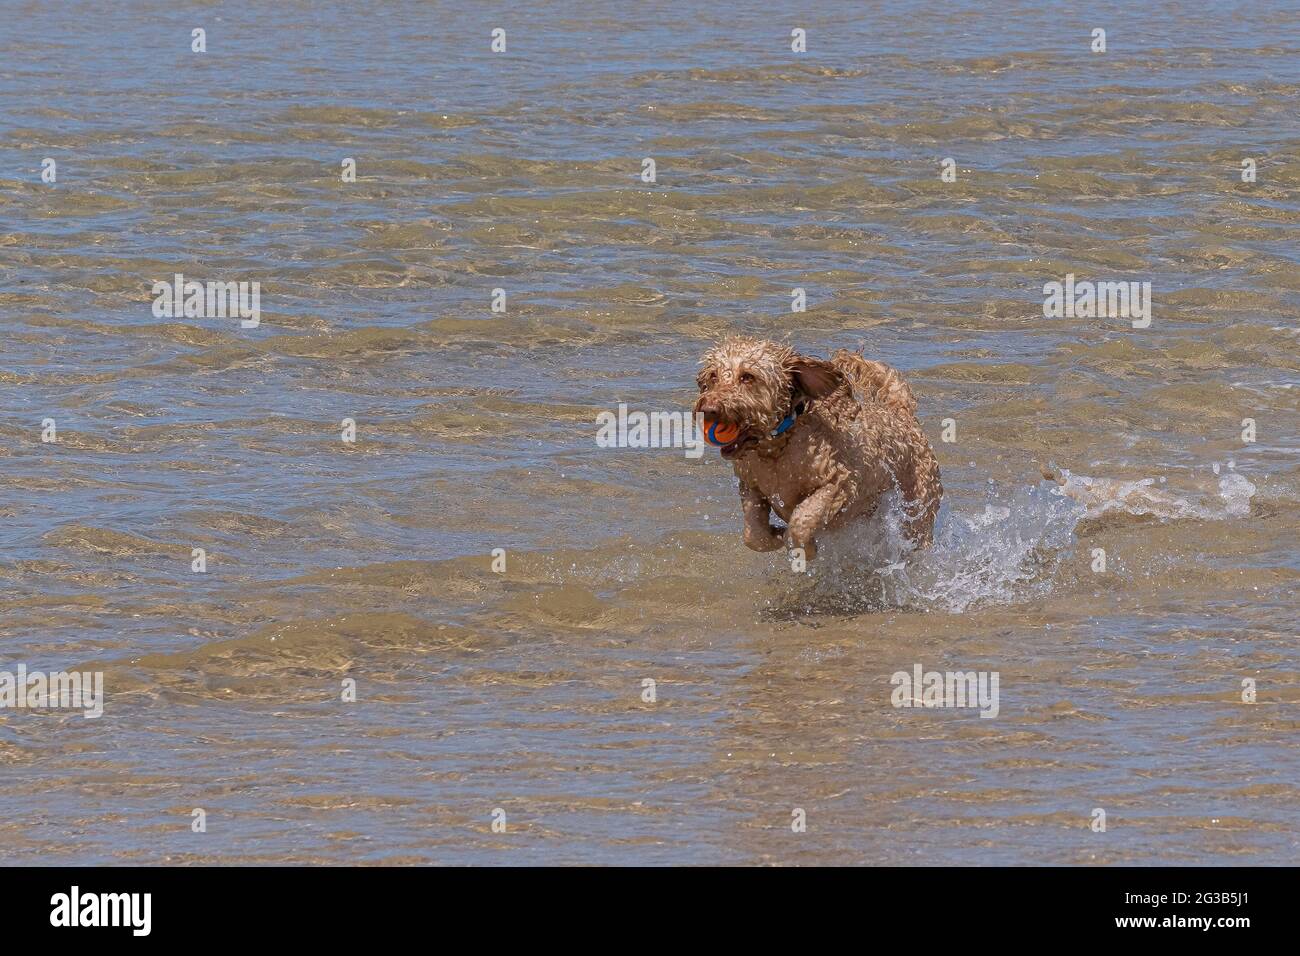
(745, 378)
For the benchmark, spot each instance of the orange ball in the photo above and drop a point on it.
(718, 433)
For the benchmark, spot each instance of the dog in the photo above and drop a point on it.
(820, 441)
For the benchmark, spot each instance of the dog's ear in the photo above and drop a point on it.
(815, 377)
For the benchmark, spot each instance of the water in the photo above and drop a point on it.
(524, 691)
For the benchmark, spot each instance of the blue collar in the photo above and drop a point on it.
(795, 412)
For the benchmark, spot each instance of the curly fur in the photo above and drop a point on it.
(856, 437)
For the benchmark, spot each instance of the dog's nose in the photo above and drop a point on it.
(707, 409)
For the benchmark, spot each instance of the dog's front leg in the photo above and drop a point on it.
(759, 533)
(813, 514)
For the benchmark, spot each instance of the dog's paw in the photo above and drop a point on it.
(773, 541)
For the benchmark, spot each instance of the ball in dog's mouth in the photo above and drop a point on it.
(720, 433)
(727, 437)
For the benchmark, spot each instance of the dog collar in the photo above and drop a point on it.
(795, 412)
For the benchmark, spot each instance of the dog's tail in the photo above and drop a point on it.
(876, 381)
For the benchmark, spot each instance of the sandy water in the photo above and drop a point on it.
(523, 691)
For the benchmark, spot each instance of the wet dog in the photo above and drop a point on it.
(820, 442)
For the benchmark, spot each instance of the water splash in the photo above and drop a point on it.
(992, 552)
(1002, 550)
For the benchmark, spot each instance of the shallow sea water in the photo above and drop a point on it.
(523, 691)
